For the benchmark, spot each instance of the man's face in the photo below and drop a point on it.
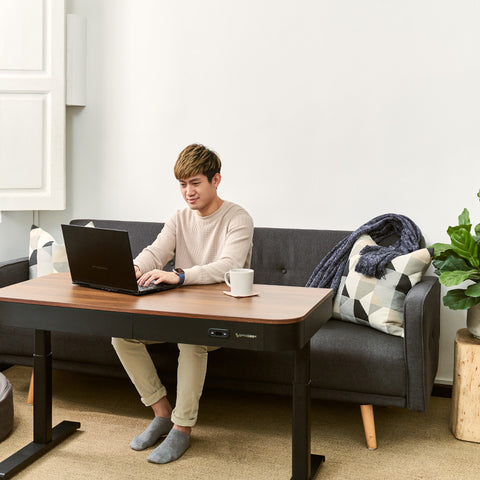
(200, 194)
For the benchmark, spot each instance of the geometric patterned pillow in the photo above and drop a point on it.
(45, 254)
(379, 303)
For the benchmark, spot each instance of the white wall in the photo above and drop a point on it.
(325, 113)
(14, 233)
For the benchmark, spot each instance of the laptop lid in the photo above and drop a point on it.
(102, 258)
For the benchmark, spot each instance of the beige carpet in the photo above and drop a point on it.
(239, 436)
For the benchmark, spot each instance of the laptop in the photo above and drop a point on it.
(102, 258)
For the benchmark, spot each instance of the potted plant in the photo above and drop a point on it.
(458, 262)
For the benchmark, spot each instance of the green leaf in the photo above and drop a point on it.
(451, 263)
(464, 244)
(467, 227)
(449, 279)
(473, 290)
(477, 229)
(457, 300)
(440, 248)
(464, 218)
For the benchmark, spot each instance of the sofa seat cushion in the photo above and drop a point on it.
(6, 407)
(16, 341)
(344, 357)
(356, 358)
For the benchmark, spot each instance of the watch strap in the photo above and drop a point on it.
(181, 275)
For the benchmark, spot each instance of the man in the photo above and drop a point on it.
(207, 239)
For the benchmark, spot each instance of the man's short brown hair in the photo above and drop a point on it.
(197, 159)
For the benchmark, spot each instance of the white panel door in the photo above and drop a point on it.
(32, 105)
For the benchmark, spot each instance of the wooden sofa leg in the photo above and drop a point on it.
(369, 426)
(30, 392)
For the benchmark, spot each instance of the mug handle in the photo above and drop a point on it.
(227, 278)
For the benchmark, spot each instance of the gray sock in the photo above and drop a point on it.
(160, 426)
(173, 447)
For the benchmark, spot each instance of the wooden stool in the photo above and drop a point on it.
(465, 415)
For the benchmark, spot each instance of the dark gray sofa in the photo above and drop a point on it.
(349, 362)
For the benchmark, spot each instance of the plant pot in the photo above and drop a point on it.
(473, 320)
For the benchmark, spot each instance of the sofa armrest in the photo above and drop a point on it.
(13, 271)
(422, 334)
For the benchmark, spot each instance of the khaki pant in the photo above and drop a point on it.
(192, 368)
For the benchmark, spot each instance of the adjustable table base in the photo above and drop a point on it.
(315, 462)
(304, 464)
(34, 450)
(44, 437)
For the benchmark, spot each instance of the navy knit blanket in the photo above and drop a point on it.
(374, 258)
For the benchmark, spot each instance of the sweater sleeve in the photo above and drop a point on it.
(161, 251)
(235, 253)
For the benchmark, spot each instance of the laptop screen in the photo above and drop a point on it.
(100, 257)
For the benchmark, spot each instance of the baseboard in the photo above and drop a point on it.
(442, 390)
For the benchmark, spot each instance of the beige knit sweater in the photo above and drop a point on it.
(205, 247)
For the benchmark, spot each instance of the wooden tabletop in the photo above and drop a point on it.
(273, 304)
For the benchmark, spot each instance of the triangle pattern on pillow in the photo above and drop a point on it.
(45, 254)
(379, 302)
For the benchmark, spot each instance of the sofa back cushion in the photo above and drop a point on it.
(141, 234)
(288, 256)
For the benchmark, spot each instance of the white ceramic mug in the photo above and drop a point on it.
(240, 281)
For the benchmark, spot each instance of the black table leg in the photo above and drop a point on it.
(304, 464)
(42, 391)
(44, 437)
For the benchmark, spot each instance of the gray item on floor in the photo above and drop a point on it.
(6, 407)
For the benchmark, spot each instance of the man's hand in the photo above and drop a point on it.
(138, 273)
(157, 276)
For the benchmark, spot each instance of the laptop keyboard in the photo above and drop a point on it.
(146, 288)
(155, 287)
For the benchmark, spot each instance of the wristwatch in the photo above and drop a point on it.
(180, 273)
